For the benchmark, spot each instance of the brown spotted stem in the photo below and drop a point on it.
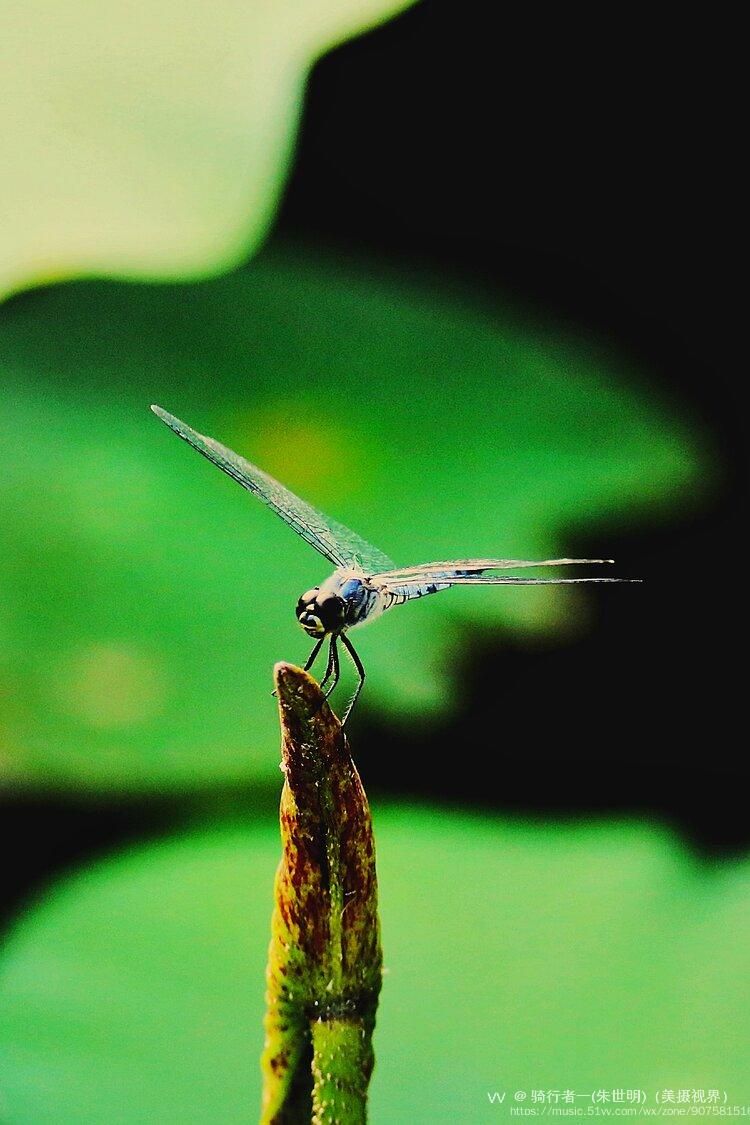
(324, 963)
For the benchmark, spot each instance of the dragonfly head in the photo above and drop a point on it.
(318, 615)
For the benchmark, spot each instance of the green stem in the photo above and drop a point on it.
(342, 1064)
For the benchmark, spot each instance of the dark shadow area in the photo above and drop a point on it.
(55, 834)
(592, 170)
(634, 717)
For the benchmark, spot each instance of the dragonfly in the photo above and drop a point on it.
(365, 582)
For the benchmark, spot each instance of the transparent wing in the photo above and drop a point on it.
(430, 578)
(335, 542)
(406, 589)
(456, 567)
(499, 580)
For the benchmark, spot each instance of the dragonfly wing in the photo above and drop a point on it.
(408, 588)
(335, 542)
(507, 580)
(416, 581)
(466, 567)
(472, 566)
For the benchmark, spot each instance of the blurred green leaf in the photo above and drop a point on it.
(151, 140)
(145, 597)
(517, 958)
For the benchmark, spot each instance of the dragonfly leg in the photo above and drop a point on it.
(329, 667)
(360, 671)
(313, 654)
(333, 657)
(310, 659)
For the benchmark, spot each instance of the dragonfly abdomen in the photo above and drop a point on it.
(397, 595)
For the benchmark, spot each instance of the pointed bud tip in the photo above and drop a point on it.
(289, 677)
(303, 710)
(297, 690)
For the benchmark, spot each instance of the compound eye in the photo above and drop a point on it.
(331, 612)
(305, 600)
